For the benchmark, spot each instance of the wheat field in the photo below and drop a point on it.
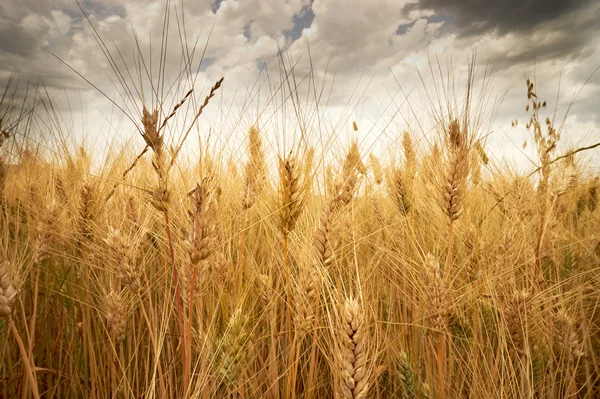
(427, 271)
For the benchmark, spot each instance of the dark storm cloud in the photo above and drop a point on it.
(15, 40)
(539, 29)
(564, 39)
(480, 16)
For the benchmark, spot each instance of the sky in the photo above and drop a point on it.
(349, 60)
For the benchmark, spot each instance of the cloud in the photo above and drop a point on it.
(31, 30)
(524, 31)
(353, 37)
(482, 16)
(371, 46)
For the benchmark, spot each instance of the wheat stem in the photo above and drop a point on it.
(27, 362)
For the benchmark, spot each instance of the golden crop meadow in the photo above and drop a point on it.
(431, 271)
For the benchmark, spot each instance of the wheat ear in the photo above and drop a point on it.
(406, 376)
(292, 193)
(517, 312)
(201, 240)
(436, 295)
(567, 339)
(8, 291)
(122, 253)
(116, 314)
(255, 173)
(305, 299)
(354, 371)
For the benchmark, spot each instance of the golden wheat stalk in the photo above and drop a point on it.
(88, 198)
(201, 239)
(292, 192)
(8, 290)
(231, 349)
(457, 170)
(256, 170)
(354, 371)
(435, 295)
(345, 185)
(45, 230)
(567, 339)
(304, 301)
(376, 168)
(517, 313)
(122, 254)
(115, 310)
(406, 376)
(323, 245)
(160, 194)
(398, 188)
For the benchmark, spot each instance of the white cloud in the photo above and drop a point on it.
(62, 21)
(353, 35)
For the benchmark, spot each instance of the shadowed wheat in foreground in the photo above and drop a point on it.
(427, 272)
